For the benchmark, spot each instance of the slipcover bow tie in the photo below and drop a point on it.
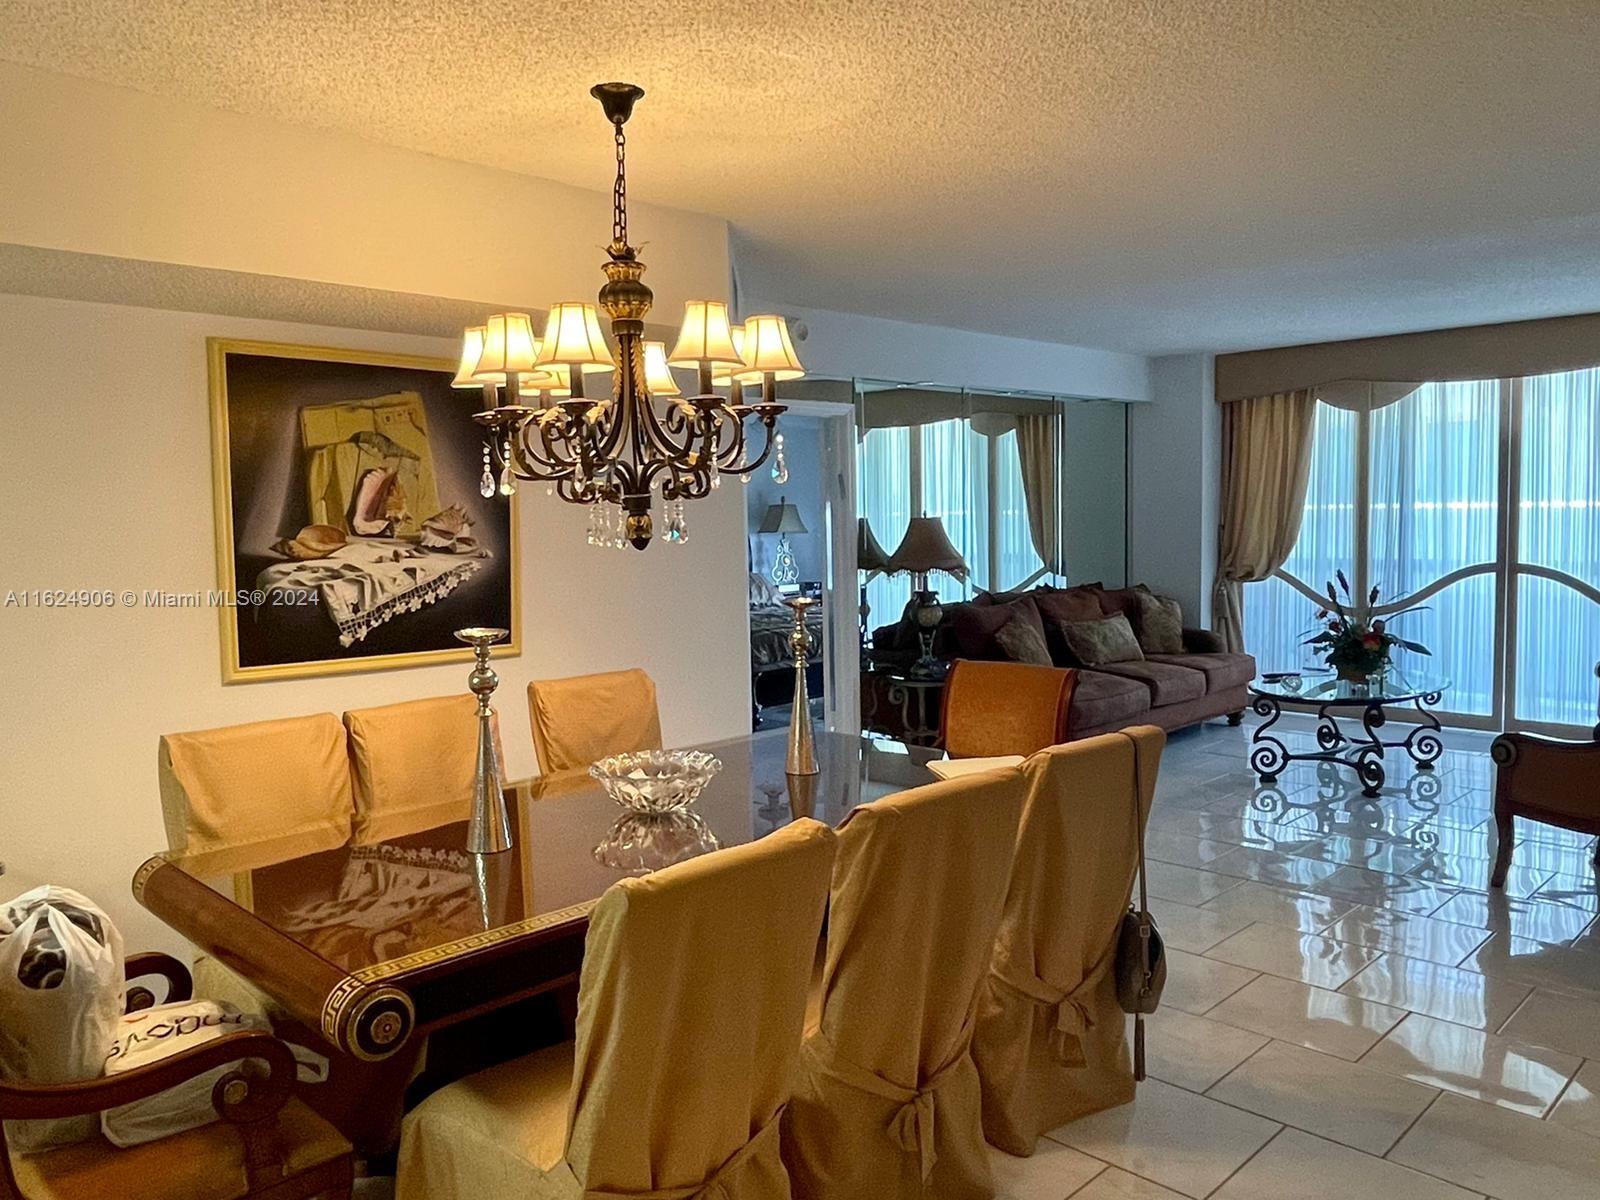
(912, 1127)
(1073, 1016)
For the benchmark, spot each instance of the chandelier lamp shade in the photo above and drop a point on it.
(611, 445)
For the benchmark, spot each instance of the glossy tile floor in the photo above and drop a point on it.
(1350, 1012)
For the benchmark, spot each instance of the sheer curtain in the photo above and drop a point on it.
(1558, 628)
(1435, 509)
(953, 489)
(883, 488)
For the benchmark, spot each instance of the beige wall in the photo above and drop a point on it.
(106, 483)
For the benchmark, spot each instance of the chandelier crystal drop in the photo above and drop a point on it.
(614, 449)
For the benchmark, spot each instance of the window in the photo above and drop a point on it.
(1413, 496)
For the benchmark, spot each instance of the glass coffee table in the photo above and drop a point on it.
(1337, 700)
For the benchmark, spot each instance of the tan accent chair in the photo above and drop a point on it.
(997, 708)
(582, 719)
(265, 1143)
(263, 792)
(886, 1105)
(690, 1010)
(1051, 1043)
(412, 765)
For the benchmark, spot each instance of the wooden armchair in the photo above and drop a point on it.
(267, 1144)
(1542, 779)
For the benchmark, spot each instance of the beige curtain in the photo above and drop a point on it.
(1038, 447)
(1266, 461)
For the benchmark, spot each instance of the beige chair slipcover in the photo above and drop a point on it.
(886, 1105)
(1050, 1043)
(247, 796)
(689, 1018)
(582, 719)
(262, 792)
(412, 765)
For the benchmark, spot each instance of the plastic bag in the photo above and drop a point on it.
(155, 1033)
(60, 1000)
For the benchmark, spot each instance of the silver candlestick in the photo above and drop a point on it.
(802, 759)
(489, 830)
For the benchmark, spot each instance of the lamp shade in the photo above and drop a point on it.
(657, 375)
(768, 351)
(724, 377)
(572, 338)
(782, 517)
(926, 547)
(508, 347)
(705, 337)
(471, 352)
(551, 380)
(869, 555)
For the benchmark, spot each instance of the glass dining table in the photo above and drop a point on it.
(366, 950)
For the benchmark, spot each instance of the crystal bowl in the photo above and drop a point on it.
(643, 842)
(656, 781)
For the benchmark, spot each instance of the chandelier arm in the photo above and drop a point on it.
(544, 466)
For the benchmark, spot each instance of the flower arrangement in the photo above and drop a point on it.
(1354, 643)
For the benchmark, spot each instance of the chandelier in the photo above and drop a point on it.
(614, 451)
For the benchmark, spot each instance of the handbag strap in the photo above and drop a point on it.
(1144, 909)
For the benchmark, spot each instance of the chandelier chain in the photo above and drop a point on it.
(619, 194)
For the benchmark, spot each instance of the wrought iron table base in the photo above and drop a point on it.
(1364, 755)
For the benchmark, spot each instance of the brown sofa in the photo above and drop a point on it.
(1169, 690)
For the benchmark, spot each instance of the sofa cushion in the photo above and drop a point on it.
(1168, 682)
(1222, 670)
(973, 626)
(1101, 699)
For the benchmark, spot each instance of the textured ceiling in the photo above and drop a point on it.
(1153, 176)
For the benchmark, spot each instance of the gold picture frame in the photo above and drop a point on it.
(304, 397)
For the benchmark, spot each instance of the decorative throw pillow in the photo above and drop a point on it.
(1100, 643)
(973, 626)
(1160, 624)
(1022, 642)
(1059, 608)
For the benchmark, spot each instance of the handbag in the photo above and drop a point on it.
(1140, 966)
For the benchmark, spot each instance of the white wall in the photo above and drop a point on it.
(849, 345)
(1174, 464)
(107, 484)
(106, 170)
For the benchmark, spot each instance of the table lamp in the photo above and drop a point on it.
(925, 548)
(783, 519)
(872, 560)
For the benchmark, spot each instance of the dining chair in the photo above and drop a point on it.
(258, 793)
(1050, 1042)
(412, 765)
(264, 1144)
(690, 1008)
(886, 1103)
(579, 720)
(998, 708)
(247, 796)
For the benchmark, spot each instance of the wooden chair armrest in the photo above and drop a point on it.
(1509, 749)
(247, 1094)
(180, 984)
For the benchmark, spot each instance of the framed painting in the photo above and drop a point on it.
(351, 534)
